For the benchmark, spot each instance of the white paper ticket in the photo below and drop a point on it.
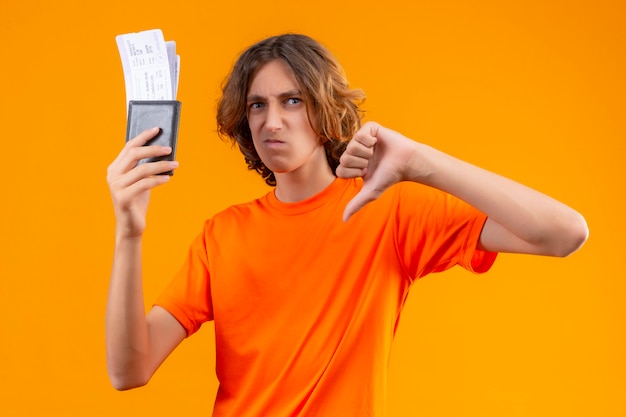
(150, 65)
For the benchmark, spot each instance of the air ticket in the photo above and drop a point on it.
(150, 64)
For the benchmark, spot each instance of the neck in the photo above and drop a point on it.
(299, 185)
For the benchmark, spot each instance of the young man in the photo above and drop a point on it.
(306, 284)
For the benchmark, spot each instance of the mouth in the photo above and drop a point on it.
(272, 142)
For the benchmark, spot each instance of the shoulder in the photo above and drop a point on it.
(236, 213)
(412, 195)
(410, 189)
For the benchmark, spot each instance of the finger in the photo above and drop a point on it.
(124, 165)
(347, 172)
(139, 140)
(143, 138)
(351, 161)
(126, 196)
(146, 184)
(366, 136)
(129, 158)
(146, 170)
(356, 155)
(359, 149)
(358, 202)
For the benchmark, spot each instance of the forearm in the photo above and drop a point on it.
(127, 337)
(546, 225)
(520, 219)
(135, 344)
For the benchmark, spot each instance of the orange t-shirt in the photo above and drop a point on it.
(306, 306)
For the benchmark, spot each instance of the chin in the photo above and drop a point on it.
(277, 167)
(279, 170)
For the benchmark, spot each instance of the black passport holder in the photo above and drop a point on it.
(164, 114)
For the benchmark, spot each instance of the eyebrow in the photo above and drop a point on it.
(286, 94)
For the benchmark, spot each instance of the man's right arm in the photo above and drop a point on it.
(136, 344)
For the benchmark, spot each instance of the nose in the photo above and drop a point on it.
(273, 118)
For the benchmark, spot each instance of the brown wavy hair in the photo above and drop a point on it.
(323, 83)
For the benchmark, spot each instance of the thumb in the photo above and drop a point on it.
(363, 197)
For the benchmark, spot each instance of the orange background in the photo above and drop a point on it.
(534, 90)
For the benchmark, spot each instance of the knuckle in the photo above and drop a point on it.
(134, 152)
(143, 169)
(111, 178)
(354, 148)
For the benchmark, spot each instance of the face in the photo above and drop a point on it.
(281, 129)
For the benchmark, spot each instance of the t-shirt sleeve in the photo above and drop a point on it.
(436, 231)
(188, 296)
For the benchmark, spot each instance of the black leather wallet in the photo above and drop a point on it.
(164, 114)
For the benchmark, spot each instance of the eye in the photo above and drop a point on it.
(294, 100)
(255, 105)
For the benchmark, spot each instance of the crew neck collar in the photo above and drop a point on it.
(307, 204)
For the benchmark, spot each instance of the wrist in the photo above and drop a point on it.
(127, 237)
(421, 164)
